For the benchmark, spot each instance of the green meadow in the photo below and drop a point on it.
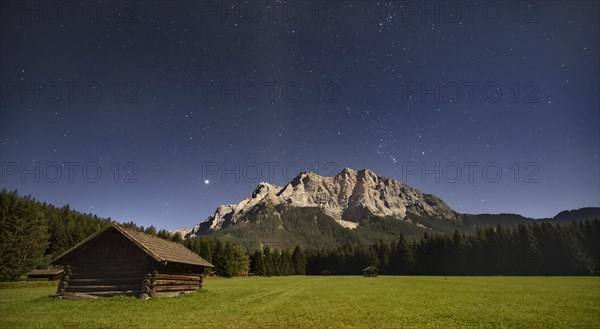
(323, 302)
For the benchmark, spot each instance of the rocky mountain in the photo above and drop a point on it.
(351, 199)
(352, 206)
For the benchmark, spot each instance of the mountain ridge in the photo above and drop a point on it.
(347, 197)
(353, 205)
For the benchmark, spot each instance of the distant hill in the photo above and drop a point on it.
(577, 214)
(488, 220)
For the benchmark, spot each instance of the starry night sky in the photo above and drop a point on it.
(164, 127)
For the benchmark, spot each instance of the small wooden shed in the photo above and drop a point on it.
(370, 271)
(50, 274)
(119, 261)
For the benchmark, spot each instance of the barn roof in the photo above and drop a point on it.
(159, 249)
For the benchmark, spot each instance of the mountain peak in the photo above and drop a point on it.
(367, 172)
(347, 170)
(265, 185)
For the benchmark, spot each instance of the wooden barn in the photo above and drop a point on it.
(50, 274)
(119, 261)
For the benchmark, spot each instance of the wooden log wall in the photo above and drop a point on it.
(96, 279)
(169, 284)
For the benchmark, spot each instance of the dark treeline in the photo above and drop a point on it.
(229, 259)
(33, 233)
(535, 249)
(268, 263)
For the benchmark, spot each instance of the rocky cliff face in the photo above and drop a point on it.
(349, 197)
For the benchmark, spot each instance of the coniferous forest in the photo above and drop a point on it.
(33, 233)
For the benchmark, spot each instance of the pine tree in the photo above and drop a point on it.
(227, 264)
(258, 265)
(268, 266)
(164, 234)
(23, 236)
(242, 260)
(151, 230)
(527, 251)
(299, 261)
(177, 237)
(287, 266)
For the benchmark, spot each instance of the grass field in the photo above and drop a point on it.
(324, 302)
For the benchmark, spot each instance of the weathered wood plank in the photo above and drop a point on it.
(161, 276)
(196, 272)
(105, 288)
(114, 293)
